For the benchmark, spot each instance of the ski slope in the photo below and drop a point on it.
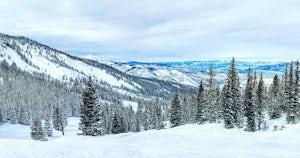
(189, 141)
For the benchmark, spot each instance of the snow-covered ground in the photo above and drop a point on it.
(189, 141)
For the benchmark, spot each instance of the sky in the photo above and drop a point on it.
(159, 30)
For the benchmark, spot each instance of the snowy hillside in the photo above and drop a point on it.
(31, 56)
(189, 141)
(191, 72)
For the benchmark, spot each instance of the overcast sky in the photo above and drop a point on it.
(159, 30)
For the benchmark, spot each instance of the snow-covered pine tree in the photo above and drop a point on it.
(211, 107)
(13, 115)
(274, 106)
(122, 125)
(233, 81)
(130, 118)
(159, 123)
(59, 119)
(48, 127)
(219, 104)
(138, 115)
(24, 116)
(116, 124)
(152, 117)
(91, 115)
(1, 116)
(147, 120)
(249, 106)
(37, 131)
(297, 91)
(200, 104)
(286, 90)
(260, 103)
(292, 105)
(99, 126)
(227, 106)
(176, 111)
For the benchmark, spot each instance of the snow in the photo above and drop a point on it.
(44, 60)
(189, 141)
(127, 103)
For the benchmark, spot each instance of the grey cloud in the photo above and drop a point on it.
(159, 29)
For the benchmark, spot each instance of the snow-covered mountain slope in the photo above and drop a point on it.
(188, 141)
(31, 56)
(192, 72)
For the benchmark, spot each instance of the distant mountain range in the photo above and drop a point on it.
(192, 72)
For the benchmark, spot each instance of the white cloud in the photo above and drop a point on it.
(159, 29)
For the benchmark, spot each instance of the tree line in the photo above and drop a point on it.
(45, 103)
(246, 107)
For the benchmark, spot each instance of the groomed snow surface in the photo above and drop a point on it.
(189, 141)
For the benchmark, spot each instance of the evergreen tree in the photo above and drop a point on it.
(249, 106)
(260, 103)
(147, 117)
(219, 104)
(292, 104)
(159, 124)
(211, 108)
(37, 132)
(59, 119)
(24, 116)
(13, 115)
(200, 104)
(48, 127)
(138, 115)
(91, 115)
(1, 116)
(297, 91)
(116, 124)
(233, 81)
(228, 109)
(286, 90)
(274, 107)
(176, 111)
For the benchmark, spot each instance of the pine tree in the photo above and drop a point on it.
(159, 124)
(1, 116)
(91, 115)
(24, 116)
(116, 124)
(138, 115)
(274, 108)
(200, 104)
(59, 119)
(147, 118)
(219, 104)
(260, 103)
(37, 132)
(249, 106)
(48, 127)
(211, 108)
(286, 90)
(227, 106)
(233, 81)
(297, 91)
(292, 105)
(176, 111)
(13, 116)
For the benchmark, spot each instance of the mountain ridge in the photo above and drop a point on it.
(32, 56)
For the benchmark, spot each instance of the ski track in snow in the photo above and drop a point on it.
(188, 141)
